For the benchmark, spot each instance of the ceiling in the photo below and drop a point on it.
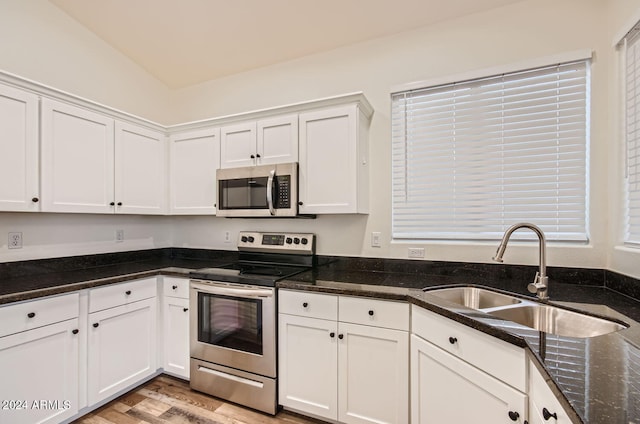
(185, 42)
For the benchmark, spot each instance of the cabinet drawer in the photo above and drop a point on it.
(377, 313)
(307, 304)
(175, 287)
(122, 293)
(37, 313)
(496, 357)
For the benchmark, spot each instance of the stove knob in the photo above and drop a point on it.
(289, 240)
(243, 239)
(304, 240)
(296, 240)
(251, 239)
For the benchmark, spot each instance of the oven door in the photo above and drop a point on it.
(234, 325)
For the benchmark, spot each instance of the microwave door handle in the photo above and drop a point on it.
(272, 174)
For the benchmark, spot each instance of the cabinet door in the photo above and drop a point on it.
(278, 140)
(195, 157)
(327, 173)
(18, 150)
(140, 170)
(77, 159)
(39, 371)
(373, 375)
(541, 398)
(176, 336)
(308, 365)
(445, 389)
(238, 145)
(122, 348)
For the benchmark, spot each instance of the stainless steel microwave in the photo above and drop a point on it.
(258, 191)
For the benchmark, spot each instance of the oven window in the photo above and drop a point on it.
(231, 322)
(243, 193)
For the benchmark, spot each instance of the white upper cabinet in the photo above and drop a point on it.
(334, 171)
(263, 142)
(140, 178)
(194, 159)
(92, 164)
(77, 159)
(18, 150)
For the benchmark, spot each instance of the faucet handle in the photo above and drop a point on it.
(539, 284)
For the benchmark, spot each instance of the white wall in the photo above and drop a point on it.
(513, 34)
(40, 42)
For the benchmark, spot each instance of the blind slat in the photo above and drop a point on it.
(469, 159)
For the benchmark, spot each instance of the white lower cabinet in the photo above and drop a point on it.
(175, 320)
(39, 360)
(352, 372)
(121, 346)
(39, 370)
(445, 389)
(544, 406)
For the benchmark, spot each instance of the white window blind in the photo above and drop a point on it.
(632, 116)
(472, 158)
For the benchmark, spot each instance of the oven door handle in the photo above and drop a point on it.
(272, 174)
(249, 292)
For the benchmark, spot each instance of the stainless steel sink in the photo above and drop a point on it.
(474, 297)
(559, 321)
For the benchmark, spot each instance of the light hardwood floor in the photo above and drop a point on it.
(168, 400)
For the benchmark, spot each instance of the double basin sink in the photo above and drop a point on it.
(539, 316)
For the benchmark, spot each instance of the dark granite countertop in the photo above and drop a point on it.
(599, 380)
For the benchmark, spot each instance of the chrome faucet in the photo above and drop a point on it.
(540, 283)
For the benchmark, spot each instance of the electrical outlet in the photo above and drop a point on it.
(119, 236)
(416, 252)
(15, 241)
(375, 239)
(227, 237)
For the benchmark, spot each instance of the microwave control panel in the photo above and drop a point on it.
(283, 199)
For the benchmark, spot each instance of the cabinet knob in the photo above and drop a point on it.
(305, 304)
(35, 200)
(96, 324)
(253, 156)
(76, 331)
(453, 340)
(258, 155)
(546, 414)
(31, 314)
(185, 309)
(514, 415)
(112, 203)
(371, 312)
(332, 334)
(119, 203)
(300, 203)
(174, 287)
(128, 292)
(341, 336)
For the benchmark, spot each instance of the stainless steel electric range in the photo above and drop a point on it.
(233, 327)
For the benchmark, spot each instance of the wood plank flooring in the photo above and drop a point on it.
(168, 400)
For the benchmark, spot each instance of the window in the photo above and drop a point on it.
(472, 158)
(632, 133)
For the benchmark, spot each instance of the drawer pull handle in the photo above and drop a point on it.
(341, 336)
(96, 324)
(371, 312)
(76, 331)
(305, 304)
(128, 292)
(31, 314)
(453, 340)
(546, 414)
(332, 334)
(185, 309)
(514, 415)
(174, 287)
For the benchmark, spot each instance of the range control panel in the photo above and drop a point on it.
(297, 243)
